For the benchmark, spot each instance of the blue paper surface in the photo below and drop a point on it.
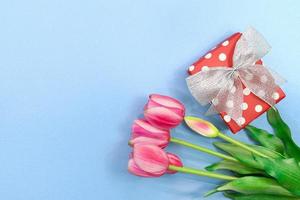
(75, 74)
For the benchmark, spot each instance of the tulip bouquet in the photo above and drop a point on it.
(268, 170)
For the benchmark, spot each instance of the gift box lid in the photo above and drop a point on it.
(253, 106)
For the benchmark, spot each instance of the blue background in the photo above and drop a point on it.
(75, 74)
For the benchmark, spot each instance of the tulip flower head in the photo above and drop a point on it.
(174, 160)
(157, 100)
(144, 133)
(151, 161)
(134, 169)
(201, 126)
(164, 112)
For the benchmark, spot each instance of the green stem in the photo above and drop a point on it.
(202, 149)
(240, 144)
(201, 173)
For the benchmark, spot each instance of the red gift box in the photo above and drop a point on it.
(252, 106)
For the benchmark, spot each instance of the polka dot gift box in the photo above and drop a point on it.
(251, 99)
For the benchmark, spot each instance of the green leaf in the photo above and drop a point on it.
(253, 185)
(245, 156)
(240, 154)
(257, 197)
(270, 153)
(234, 167)
(282, 131)
(285, 171)
(265, 139)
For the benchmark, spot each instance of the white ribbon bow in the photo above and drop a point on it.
(223, 86)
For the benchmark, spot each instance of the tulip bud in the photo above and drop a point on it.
(201, 126)
(174, 160)
(143, 132)
(148, 161)
(164, 112)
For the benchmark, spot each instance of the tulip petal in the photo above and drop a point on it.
(201, 126)
(148, 140)
(143, 128)
(166, 101)
(134, 169)
(151, 159)
(174, 160)
(162, 117)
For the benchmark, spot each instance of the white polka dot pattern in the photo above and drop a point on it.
(227, 118)
(275, 95)
(229, 104)
(191, 68)
(208, 56)
(205, 68)
(263, 79)
(258, 108)
(224, 44)
(261, 93)
(241, 120)
(222, 57)
(244, 106)
(246, 91)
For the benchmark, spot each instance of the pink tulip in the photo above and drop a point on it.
(157, 100)
(144, 133)
(134, 169)
(174, 160)
(164, 112)
(148, 161)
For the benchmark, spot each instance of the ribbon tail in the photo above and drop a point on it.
(211, 111)
(230, 99)
(279, 80)
(260, 82)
